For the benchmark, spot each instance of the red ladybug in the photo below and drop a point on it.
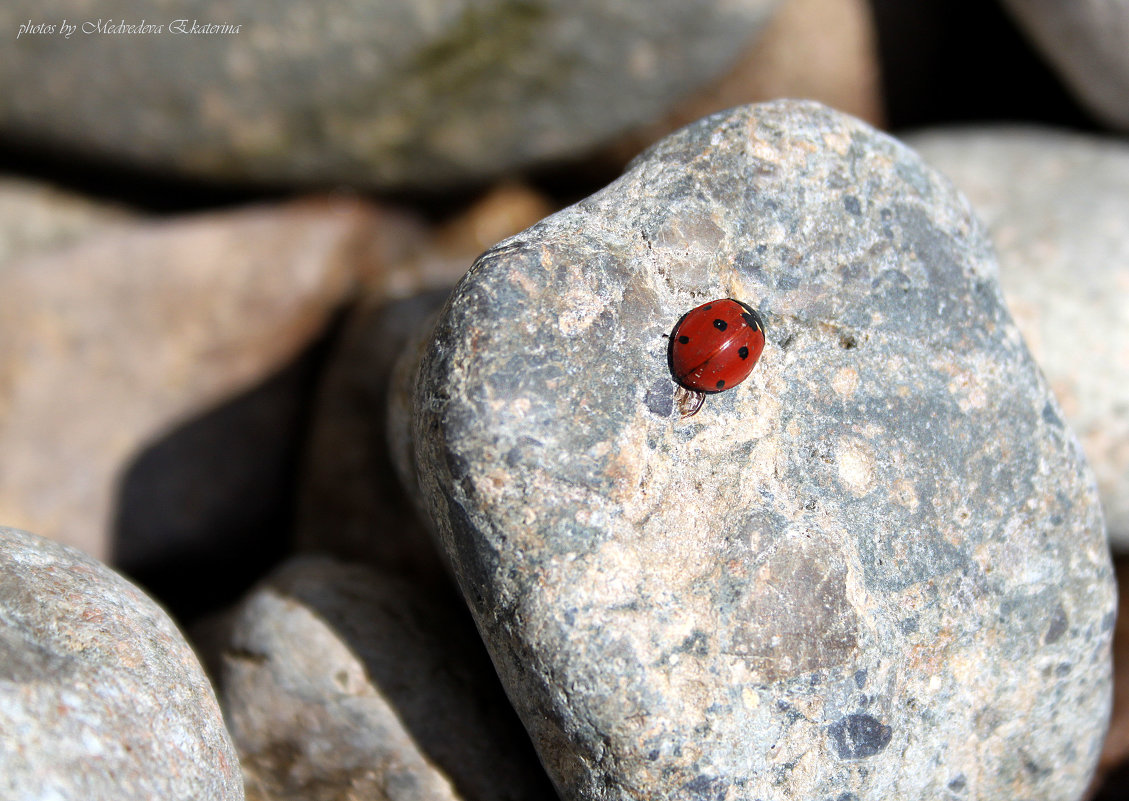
(713, 348)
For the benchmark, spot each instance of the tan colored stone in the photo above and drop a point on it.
(109, 342)
(36, 217)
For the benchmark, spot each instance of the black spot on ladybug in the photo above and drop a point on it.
(708, 306)
(684, 339)
(721, 384)
(753, 320)
(720, 325)
(743, 352)
(859, 736)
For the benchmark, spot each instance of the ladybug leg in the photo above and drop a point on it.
(689, 401)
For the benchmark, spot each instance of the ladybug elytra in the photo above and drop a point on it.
(713, 348)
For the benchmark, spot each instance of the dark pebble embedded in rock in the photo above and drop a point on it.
(100, 696)
(838, 579)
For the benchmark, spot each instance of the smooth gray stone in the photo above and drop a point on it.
(397, 93)
(1057, 207)
(342, 682)
(100, 696)
(874, 570)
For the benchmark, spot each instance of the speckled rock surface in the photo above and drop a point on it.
(392, 93)
(341, 682)
(1056, 206)
(100, 696)
(874, 570)
(1085, 40)
(108, 342)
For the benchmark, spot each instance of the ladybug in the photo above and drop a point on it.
(713, 348)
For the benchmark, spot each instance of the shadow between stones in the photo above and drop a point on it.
(207, 508)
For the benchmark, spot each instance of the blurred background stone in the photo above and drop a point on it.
(392, 95)
(876, 569)
(1057, 206)
(100, 696)
(1086, 41)
(107, 344)
(944, 62)
(36, 217)
(823, 50)
(341, 682)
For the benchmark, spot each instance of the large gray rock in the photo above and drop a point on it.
(100, 696)
(392, 93)
(875, 570)
(1056, 205)
(1086, 41)
(342, 682)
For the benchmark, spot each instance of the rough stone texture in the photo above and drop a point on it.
(100, 696)
(823, 50)
(393, 93)
(1085, 40)
(107, 344)
(37, 217)
(875, 570)
(1056, 205)
(340, 682)
(351, 503)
